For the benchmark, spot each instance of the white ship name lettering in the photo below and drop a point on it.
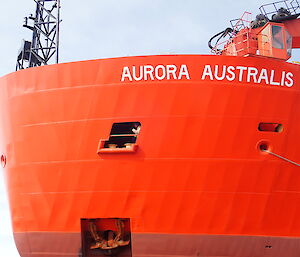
(248, 74)
(151, 72)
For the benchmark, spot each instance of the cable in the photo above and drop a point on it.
(281, 157)
(223, 33)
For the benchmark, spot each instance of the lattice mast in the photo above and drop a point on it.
(45, 35)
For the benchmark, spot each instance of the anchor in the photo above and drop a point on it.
(113, 239)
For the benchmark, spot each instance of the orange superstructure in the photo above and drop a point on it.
(198, 182)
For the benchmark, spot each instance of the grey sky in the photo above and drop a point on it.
(93, 29)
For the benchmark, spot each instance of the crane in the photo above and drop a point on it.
(274, 33)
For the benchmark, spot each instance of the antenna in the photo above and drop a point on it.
(45, 35)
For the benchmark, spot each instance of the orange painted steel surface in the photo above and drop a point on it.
(293, 28)
(197, 169)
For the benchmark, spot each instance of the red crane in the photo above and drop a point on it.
(272, 34)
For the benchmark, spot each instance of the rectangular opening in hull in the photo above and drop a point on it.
(122, 138)
(270, 127)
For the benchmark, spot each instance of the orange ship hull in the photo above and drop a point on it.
(197, 183)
